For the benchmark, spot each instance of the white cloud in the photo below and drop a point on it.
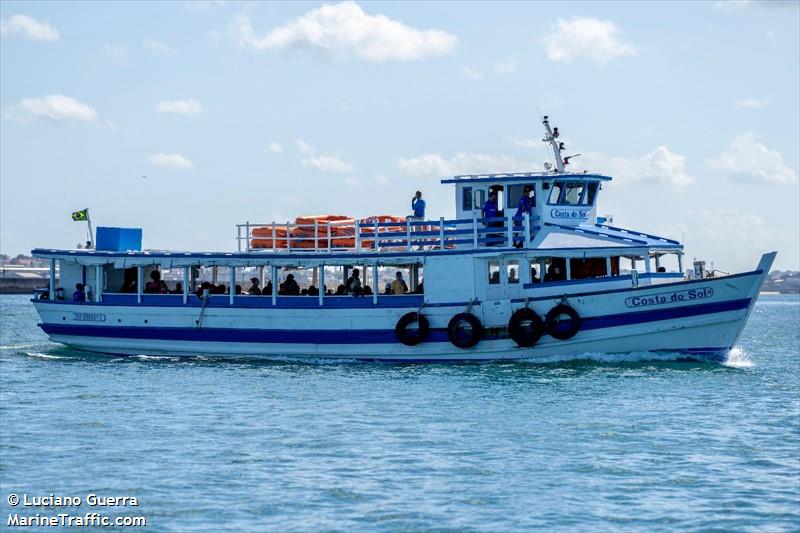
(659, 166)
(343, 30)
(159, 48)
(303, 147)
(585, 38)
(275, 148)
(55, 107)
(382, 179)
(29, 28)
(180, 107)
(528, 143)
(751, 103)
(116, 55)
(747, 159)
(435, 165)
(328, 163)
(175, 161)
(507, 65)
(471, 74)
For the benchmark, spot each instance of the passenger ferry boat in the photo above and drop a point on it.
(558, 281)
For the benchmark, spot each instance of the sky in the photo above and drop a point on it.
(186, 118)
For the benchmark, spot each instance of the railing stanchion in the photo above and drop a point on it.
(526, 219)
(329, 236)
(474, 229)
(52, 286)
(288, 236)
(510, 230)
(186, 282)
(247, 244)
(358, 235)
(231, 284)
(274, 279)
(239, 237)
(316, 235)
(139, 282)
(274, 231)
(441, 233)
(376, 235)
(321, 281)
(408, 234)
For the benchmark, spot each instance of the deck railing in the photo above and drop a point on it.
(408, 235)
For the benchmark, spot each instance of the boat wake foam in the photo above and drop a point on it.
(39, 355)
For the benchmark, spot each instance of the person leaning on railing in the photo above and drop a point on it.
(490, 212)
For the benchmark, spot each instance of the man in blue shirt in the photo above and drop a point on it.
(79, 295)
(523, 207)
(418, 206)
(490, 211)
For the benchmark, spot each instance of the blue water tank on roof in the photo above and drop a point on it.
(118, 239)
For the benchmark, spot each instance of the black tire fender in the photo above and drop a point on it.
(554, 323)
(412, 337)
(464, 337)
(525, 327)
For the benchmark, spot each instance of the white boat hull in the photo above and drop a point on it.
(701, 319)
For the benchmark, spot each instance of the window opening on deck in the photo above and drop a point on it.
(594, 267)
(480, 199)
(499, 191)
(512, 271)
(556, 269)
(494, 272)
(515, 192)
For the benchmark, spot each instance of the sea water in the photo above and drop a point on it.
(603, 442)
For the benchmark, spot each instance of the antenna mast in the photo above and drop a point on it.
(551, 138)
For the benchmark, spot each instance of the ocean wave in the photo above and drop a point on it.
(39, 355)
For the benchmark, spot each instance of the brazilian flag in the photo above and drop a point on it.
(81, 215)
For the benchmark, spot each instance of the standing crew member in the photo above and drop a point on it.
(489, 212)
(523, 208)
(418, 206)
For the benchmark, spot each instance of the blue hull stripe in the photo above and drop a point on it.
(364, 336)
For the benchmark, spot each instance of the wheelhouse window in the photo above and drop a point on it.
(555, 192)
(572, 193)
(466, 193)
(480, 199)
(590, 194)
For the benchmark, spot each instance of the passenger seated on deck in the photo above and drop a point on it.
(512, 276)
(219, 289)
(129, 287)
(353, 284)
(534, 274)
(340, 290)
(267, 291)
(254, 288)
(420, 288)
(661, 269)
(79, 295)
(303, 292)
(289, 287)
(399, 284)
(313, 291)
(156, 285)
(205, 286)
(367, 290)
(554, 273)
(178, 288)
(237, 289)
(388, 288)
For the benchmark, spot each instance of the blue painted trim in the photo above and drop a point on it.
(639, 288)
(579, 229)
(338, 336)
(638, 233)
(603, 279)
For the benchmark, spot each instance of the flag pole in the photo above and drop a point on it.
(89, 221)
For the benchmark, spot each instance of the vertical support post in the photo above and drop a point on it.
(375, 289)
(608, 266)
(214, 274)
(658, 261)
(274, 274)
(376, 236)
(139, 283)
(52, 295)
(98, 282)
(441, 233)
(474, 229)
(408, 234)
(316, 235)
(510, 230)
(329, 236)
(647, 262)
(239, 237)
(274, 237)
(321, 276)
(680, 262)
(261, 277)
(633, 262)
(247, 236)
(542, 267)
(358, 235)
(288, 236)
(231, 284)
(568, 260)
(526, 219)
(186, 282)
